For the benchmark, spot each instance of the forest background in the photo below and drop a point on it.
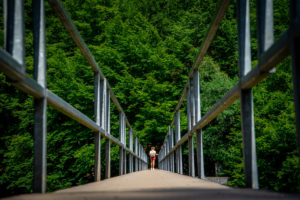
(146, 49)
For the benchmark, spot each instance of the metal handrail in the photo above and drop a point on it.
(270, 54)
(12, 65)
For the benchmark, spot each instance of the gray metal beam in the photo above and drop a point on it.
(191, 113)
(14, 34)
(136, 152)
(131, 148)
(200, 158)
(171, 142)
(124, 143)
(295, 52)
(67, 109)
(10, 67)
(40, 105)
(125, 162)
(265, 21)
(177, 139)
(107, 147)
(247, 113)
(140, 153)
(121, 161)
(103, 109)
(108, 159)
(97, 133)
(121, 150)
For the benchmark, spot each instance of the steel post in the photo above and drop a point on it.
(200, 158)
(103, 109)
(178, 137)
(121, 161)
(171, 133)
(191, 121)
(295, 52)
(14, 36)
(97, 134)
(136, 153)
(121, 149)
(15, 46)
(247, 114)
(107, 145)
(131, 148)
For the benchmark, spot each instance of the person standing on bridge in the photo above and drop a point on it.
(152, 155)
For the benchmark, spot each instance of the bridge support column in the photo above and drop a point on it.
(247, 116)
(14, 39)
(191, 121)
(136, 153)
(108, 160)
(179, 168)
(166, 152)
(171, 142)
(125, 162)
(122, 133)
(97, 134)
(131, 148)
(121, 161)
(140, 161)
(295, 51)
(107, 128)
(200, 158)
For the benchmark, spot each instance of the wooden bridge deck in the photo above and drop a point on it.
(157, 185)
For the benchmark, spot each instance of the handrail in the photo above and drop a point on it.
(10, 65)
(270, 54)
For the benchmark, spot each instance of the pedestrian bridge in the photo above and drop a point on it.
(136, 181)
(157, 185)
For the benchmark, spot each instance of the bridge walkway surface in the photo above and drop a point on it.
(158, 184)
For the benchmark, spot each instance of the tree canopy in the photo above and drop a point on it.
(146, 49)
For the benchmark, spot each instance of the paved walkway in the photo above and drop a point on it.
(156, 185)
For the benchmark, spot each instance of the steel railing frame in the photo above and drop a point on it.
(12, 64)
(270, 54)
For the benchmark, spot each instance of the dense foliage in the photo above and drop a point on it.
(146, 49)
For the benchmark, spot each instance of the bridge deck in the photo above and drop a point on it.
(158, 185)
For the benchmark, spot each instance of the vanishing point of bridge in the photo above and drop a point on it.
(151, 184)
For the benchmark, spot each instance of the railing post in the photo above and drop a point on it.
(121, 162)
(171, 142)
(131, 148)
(15, 46)
(136, 153)
(177, 138)
(191, 120)
(265, 22)
(14, 34)
(295, 52)
(265, 35)
(200, 158)
(124, 151)
(97, 134)
(107, 148)
(246, 96)
(138, 158)
(103, 119)
(167, 158)
(140, 153)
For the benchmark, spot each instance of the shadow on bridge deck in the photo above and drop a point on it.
(156, 185)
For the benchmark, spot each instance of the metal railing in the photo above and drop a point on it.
(12, 64)
(270, 53)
